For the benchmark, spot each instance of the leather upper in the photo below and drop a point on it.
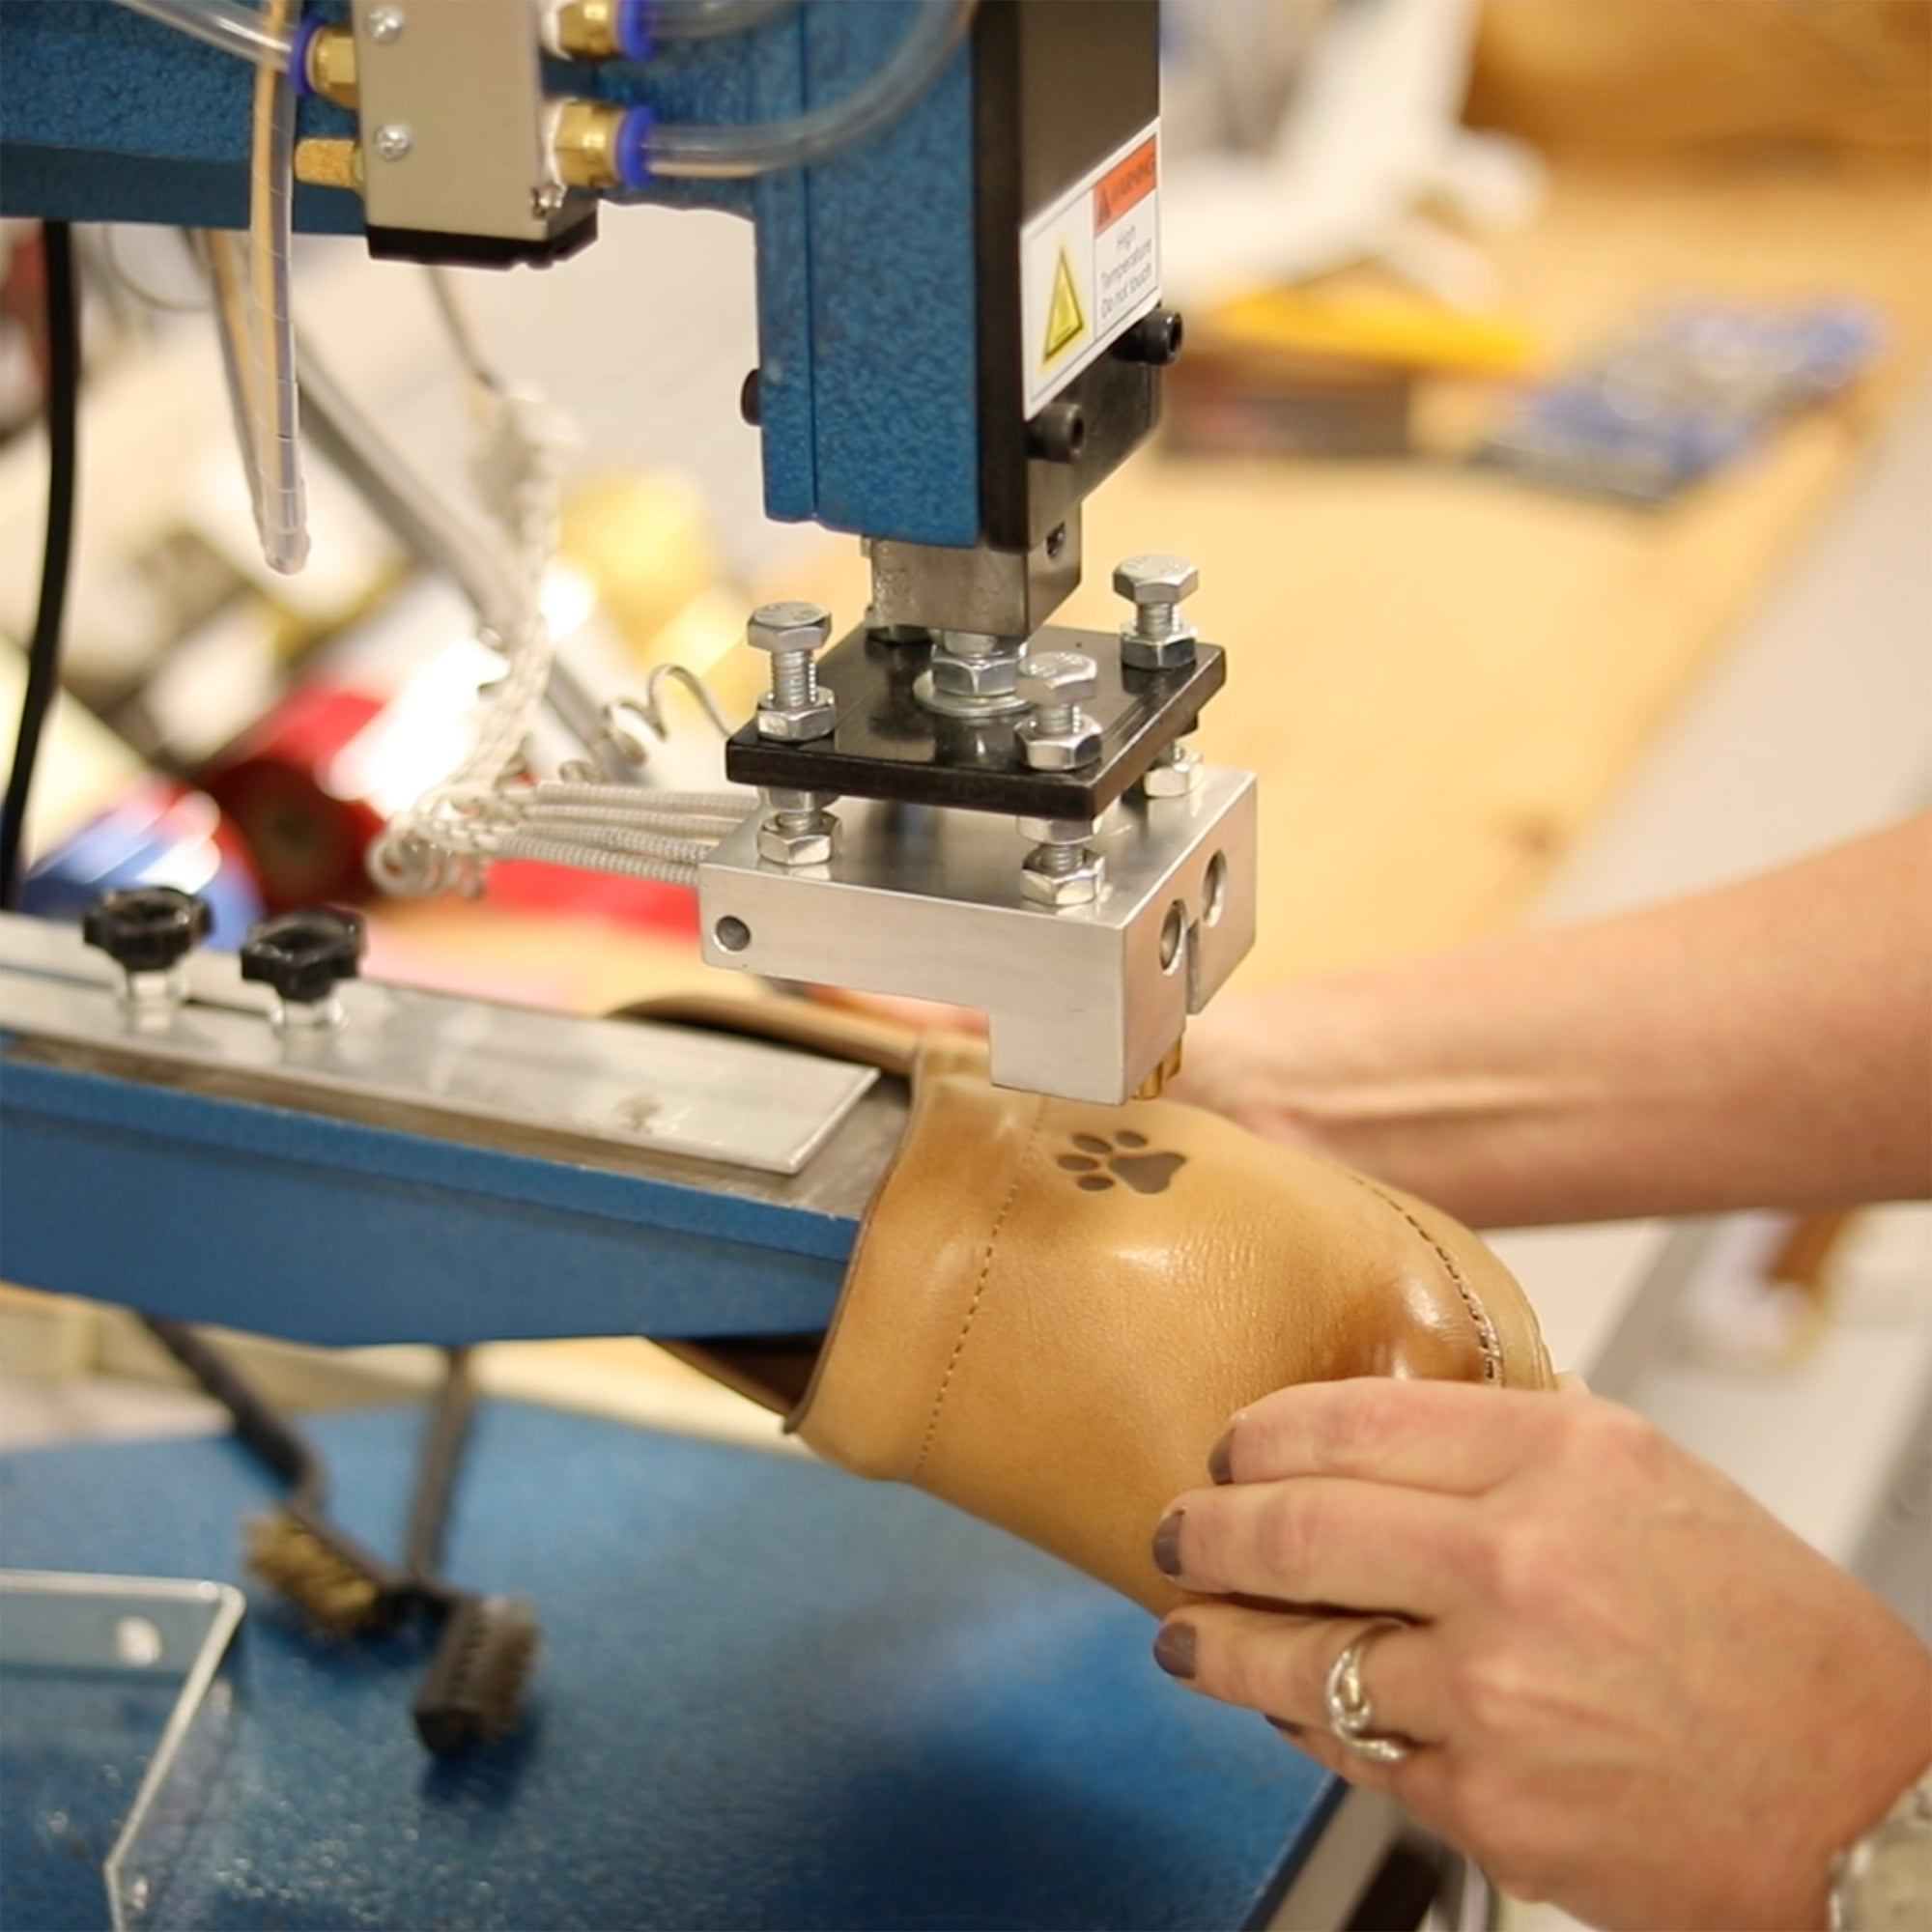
(1055, 1307)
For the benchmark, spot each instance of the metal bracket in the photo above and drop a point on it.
(616, 1084)
(1087, 1000)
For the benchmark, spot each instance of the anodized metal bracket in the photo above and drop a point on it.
(1083, 1001)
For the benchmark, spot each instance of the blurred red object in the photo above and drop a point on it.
(308, 842)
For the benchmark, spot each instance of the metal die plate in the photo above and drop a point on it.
(887, 745)
(1084, 1002)
(633, 1085)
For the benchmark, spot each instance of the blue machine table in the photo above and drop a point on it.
(770, 1697)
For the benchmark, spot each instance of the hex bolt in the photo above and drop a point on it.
(302, 958)
(386, 25)
(1057, 433)
(148, 931)
(393, 141)
(1154, 340)
(797, 707)
(1060, 871)
(797, 829)
(1059, 736)
(1174, 773)
(1158, 639)
(1057, 684)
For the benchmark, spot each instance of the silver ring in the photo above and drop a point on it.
(1351, 1716)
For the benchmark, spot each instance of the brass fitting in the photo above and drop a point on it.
(331, 65)
(585, 143)
(587, 30)
(330, 162)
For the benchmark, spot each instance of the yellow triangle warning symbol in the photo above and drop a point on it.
(1065, 325)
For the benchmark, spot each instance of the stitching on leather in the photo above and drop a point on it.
(978, 1293)
(1485, 1332)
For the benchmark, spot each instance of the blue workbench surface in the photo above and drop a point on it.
(770, 1697)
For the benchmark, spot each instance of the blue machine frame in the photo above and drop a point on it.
(865, 270)
(329, 1231)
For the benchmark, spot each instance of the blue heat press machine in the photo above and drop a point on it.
(772, 1696)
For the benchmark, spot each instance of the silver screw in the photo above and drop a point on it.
(392, 141)
(1158, 639)
(545, 201)
(1056, 684)
(792, 634)
(386, 24)
(1175, 774)
(1060, 870)
(797, 829)
(1058, 736)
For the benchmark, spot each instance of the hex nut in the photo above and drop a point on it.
(1172, 652)
(799, 848)
(1079, 887)
(789, 626)
(1056, 831)
(1174, 775)
(975, 678)
(815, 720)
(1156, 578)
(1058, 678)
(1058, 751)
(784, 798)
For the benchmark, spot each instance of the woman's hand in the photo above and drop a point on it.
(1629, 1690)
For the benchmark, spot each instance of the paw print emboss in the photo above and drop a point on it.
(1102, 1162)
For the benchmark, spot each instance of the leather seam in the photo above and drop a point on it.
(1485, 1332)
(979, 1295)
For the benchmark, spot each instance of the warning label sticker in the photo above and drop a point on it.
(1089, 265)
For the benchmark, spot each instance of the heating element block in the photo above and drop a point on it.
(1084, 1001)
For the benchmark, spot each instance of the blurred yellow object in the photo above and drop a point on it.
(643, 542)
(1403, 331)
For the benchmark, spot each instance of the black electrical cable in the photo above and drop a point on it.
(62, 411)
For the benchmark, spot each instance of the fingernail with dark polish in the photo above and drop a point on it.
(1221, 1457)
(1167, 1544)
(1286, 1729)
(1174, 1649)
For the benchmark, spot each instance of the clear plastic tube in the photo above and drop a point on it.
(226, 254)
(709, 19)
(227, 24)
(281, 509)
(802, 139)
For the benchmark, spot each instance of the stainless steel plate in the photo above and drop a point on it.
(623, 1084)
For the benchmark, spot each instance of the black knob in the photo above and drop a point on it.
(1154, 339)
(752, 401)
(302, 954)
(146, 928)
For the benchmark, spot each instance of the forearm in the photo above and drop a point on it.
(1770, 1043)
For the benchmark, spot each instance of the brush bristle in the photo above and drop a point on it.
(327, 1588)
(475, 1689)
